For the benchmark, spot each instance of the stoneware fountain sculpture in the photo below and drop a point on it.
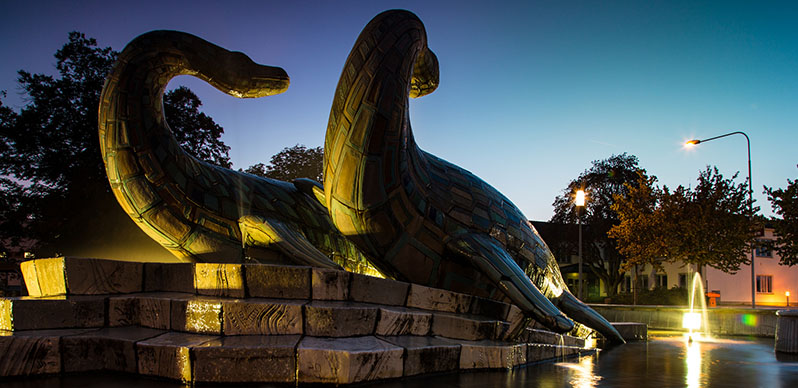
(467, 282)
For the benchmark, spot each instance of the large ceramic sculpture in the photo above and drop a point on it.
(391, 209)
(422, 218)
(198, 211)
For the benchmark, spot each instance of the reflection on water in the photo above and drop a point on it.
(663, 361)
(693, 363)
(582, 375)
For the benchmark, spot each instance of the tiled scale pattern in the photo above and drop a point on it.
(249, 323)
(422, 218)
(198, 211)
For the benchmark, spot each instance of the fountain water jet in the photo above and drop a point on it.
(695, 321)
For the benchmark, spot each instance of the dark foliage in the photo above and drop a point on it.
(785, 204)
(291, 163)
(601, 182)
(53, 179)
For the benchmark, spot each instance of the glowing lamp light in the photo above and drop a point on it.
(691, 143)
(691, 321)
(787, 294)
(580, 198)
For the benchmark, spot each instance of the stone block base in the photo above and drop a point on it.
(233, 323)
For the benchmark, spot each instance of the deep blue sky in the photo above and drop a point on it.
(529, 94)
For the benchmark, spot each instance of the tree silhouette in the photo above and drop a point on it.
(785, 204)
(706, 226)
(604, 179)
(291, 163)
(55, 190)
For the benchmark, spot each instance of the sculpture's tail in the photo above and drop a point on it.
(583, 314)
(188, 206)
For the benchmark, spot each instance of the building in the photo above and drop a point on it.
(773, 281)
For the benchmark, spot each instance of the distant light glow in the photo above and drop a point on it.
(691, 321)
(786, 293)
(749, 319)
(580, 198)
(691, 143)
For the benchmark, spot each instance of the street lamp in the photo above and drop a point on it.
(580, 202)
(750, 201)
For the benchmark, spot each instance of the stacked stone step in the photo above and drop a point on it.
(254, 323)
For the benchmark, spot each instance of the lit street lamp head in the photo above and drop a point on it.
(693, 142)
(580, 198)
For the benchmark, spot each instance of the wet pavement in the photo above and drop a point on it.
(666, 360)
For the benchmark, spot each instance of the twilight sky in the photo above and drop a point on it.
(529, 94)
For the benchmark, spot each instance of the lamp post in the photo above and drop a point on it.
(580, 202)
(750, 202)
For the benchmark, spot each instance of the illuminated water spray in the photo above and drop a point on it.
(696, 319)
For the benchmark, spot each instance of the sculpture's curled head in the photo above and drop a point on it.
(247, 79)
(231, 72)
(426, 74)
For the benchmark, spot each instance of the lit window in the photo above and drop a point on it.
(764, 284)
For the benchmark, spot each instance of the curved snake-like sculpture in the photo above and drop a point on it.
(423, 219)
(198, 211)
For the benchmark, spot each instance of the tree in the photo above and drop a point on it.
(707, 225)
(49, 151)
(601, 182)
(710, 224)
(639, 230)
(291, 163)
(196, 132)
(785, 203)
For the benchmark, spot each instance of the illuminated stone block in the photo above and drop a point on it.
(438, 300)
(262, 316)
(329, 284)
(105, 349)
(243, 359)
(488, 354)
(79, 276)
(174, 277)
(339, 319)
(632, 331)
(543, 352)
(427, 354)
(278, 281)
(168, 355)
(33, 352)
(370, 289)
(151, 310)
(219, 279)
(466, 327)
(198, 314)
(347, 360)
(27, 313)
(546, 337)
(394, 321)
(489, 308)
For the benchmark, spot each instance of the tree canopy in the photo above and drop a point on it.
(53, 178)
(705, 225)
(604, 179)
(292, 163)
(785, 204)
